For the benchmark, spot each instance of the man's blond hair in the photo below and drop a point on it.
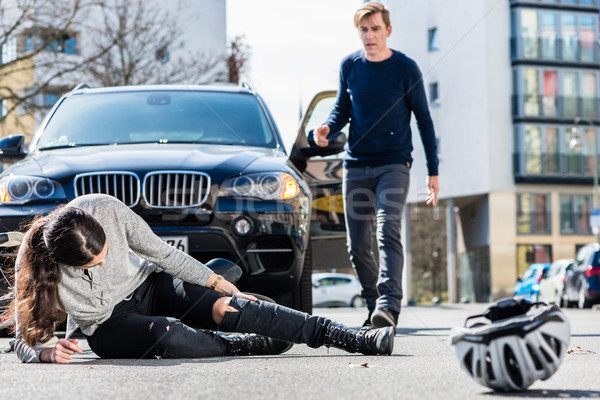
(372, 8)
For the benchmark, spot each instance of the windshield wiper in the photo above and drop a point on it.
(70, 145)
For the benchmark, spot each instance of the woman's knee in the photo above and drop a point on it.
(220, 307)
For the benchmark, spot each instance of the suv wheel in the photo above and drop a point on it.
(302, 296)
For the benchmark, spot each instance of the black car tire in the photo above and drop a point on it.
(302, 295)
(568, 303)
(582, 300)
(357, 301)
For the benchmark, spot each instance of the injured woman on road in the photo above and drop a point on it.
(134, 296)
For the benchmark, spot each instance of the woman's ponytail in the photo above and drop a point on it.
(67, 236)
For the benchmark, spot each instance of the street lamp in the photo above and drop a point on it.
(575, 144)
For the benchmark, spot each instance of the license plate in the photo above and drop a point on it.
(179, 242)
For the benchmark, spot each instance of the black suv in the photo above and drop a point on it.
(203, 165)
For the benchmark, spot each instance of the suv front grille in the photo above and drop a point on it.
(123, 185)
(174, 189)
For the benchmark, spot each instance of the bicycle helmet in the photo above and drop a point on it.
(516, 348)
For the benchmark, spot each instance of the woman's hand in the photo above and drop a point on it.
(62, 352)
(226, 287)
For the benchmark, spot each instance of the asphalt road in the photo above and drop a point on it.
(422, 367)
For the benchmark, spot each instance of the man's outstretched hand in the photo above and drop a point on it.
(320, 135)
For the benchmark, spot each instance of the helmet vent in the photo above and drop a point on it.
(553, 343)
(547, 356)
(512, 366)
(535, 358)
(468, 360)
(488, 367)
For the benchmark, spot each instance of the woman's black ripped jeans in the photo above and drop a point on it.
(163, 318)
(169, 318)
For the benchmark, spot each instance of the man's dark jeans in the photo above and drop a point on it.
(376, 194)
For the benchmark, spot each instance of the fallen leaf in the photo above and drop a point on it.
(352, 365)
(580, 349)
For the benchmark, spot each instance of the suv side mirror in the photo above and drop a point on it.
(12, 148)
(335, 146)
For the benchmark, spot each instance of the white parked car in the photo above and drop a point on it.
(552, 284)
(336, 289)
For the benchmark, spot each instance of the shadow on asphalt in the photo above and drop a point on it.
(561, 394)
(209, 360)
(423, 331)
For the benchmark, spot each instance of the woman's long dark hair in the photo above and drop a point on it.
(67, 236)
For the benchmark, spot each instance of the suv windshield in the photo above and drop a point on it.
(158, 117)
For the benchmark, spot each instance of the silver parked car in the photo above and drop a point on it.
(552, 286)
(336, 289)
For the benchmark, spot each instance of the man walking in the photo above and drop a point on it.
(379, 90)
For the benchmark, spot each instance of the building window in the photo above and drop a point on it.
(548, 34)
(569, 93)
(568, 35)
(9, 50)
(63, 43)
(550, 92)
(434, 94)
(589, 94)
(432, 39)
(531, 90)
(554, 35)
(551, 150)
(575, 214)
(3, 109)
(533, 150)
(49, 99)
(528, 254)
(529, 33)
(50, 40)
(556, 92)
(533, 213)
(587, 30)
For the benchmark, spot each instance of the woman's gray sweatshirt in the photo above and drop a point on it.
(134, 252)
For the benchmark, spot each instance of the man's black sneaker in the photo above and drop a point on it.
(384, 317)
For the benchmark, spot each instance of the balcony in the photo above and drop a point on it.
(554, 50)
(553, 168)
(555, 107)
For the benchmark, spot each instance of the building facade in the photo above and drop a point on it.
(513, 87)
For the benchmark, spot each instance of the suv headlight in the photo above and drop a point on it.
(21, 189)
(265, 186)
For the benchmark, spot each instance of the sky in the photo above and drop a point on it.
(295, 50)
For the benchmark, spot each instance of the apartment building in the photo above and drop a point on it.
(513, 87)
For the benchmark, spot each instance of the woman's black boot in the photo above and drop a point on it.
(249, 344)
(364, 340)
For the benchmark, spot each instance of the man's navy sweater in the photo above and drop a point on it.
(378, 99)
